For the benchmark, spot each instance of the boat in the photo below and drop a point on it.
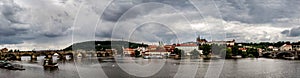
(153, 56)
(48, 63)
(6, 65)
(236, 57)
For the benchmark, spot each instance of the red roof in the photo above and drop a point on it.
(189, 44)
(128, 49)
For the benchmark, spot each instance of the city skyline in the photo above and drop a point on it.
(56, 24)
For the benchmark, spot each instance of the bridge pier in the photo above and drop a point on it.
(33, 58)
(18, 57)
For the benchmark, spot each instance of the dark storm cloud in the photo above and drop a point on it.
(14, 29)
(11, 31)
(117, 8)
(114, 12)
(257, 11)
(286, 32)
(38, 21)
(103, 34)
(52, 34)
(294, 32)
(155, 32)
(10, 26)
(10, 40)
(9, 13)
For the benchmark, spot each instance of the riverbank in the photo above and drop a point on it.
(230, 68)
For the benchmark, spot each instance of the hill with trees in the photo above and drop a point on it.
(102, 45)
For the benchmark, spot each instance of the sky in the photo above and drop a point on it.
(56, 24)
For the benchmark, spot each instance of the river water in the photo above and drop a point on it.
(94, 67)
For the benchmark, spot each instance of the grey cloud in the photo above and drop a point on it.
(285, 32)
(103, 34)
(233, 35)
(117, 8)
(10, 40)
(294, 32)
(9, 12)
(156, 10)
(154, 32)
(258, 11)
(44, 20)
(17, 26)
(11, 28)
(52, 34)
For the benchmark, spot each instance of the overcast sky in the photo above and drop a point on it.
(56, 24)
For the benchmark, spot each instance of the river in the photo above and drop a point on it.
(163, 68)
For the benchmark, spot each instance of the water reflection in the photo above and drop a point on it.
(107, 67)
(25, 58)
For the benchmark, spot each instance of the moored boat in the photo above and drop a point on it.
(49, 63)
(6, 65)
(153, 56)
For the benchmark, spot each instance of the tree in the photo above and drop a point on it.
(253, 52)
(10, 51)
(137, 53)
(235, 51)
(228, 53)
(244, 54)
(178, 52)
(206, 49)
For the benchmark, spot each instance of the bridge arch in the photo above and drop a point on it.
(26, 54)
(284, 54)
(11, 56)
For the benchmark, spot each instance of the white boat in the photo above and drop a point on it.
(153, 56)
(236, 57)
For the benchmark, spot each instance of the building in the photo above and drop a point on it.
(157, 50)
(128, 51)
(188, 48)
(151, 47)
(169, 48)
(243, 49)
(201, 41)
(286, 47)
(296, 47)
(230, 43)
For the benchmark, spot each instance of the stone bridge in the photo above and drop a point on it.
(280, 54)
(62, 54)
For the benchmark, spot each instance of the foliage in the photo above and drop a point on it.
(253, 52)
(228, 53)
(206, 49)
(244, 54)
(178, 52)
(236, 51)
(137, 53)
(102, 45)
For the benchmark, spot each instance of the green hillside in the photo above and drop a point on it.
(102, 45)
